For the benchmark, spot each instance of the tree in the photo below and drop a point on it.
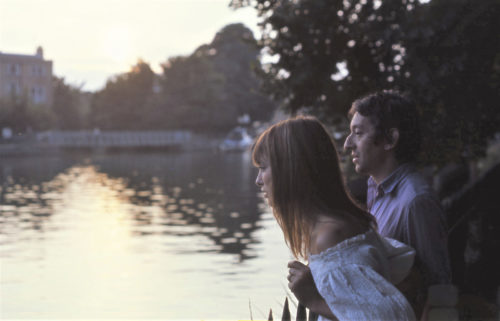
(212, 87)
(14, 114)
(192, 92)
(318, 41)
(205, 91)
(235, 54)
(452, 68)
(124, 101)
(332, 52)
(67, 106)
(19, 114)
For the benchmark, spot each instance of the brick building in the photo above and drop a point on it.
(28, 75)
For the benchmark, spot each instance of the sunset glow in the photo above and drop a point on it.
(117, 46)
(89, 41)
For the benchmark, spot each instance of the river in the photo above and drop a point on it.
(170, 236)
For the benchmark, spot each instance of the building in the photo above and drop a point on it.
(28, 75)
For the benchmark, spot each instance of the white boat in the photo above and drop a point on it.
(237, 139)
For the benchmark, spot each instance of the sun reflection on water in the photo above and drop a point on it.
(108, 239)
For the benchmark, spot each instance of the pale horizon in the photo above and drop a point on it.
(90, 41)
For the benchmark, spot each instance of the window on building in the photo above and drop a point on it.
(15, 88)
(38, 94)
(37, 70)
(15, 69)
(8, 88)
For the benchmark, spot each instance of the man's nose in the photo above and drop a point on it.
(348, 144)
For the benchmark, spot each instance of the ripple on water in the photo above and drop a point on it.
(91, 225)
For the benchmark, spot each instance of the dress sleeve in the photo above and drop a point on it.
(357, 292)
(401, 258)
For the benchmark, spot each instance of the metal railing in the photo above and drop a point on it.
(113, 138)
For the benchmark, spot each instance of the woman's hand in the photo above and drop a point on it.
(301, 283)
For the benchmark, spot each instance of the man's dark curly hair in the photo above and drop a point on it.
(390, 109)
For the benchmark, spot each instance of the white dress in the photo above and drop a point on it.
(356, 277)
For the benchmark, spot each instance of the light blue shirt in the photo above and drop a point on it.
(407, 209)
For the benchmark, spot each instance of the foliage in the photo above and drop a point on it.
(453, 63)
(205, 91)
(444, 53)
(212, 87)
(315, 38)
(14, 114)
(235, 55)
(123, 101)
(40, 118)
(67, 107)
(21, 116)
(192, 92)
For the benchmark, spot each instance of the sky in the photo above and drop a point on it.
(89, 41)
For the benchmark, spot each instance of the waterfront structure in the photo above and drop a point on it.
(29, 75)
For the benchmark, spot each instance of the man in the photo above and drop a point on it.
(384, 141)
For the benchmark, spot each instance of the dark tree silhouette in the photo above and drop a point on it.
(123, 102)
(212, 87)
(445, 53)
(67, 106)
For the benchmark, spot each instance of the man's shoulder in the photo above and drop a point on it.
(414, 192)
(414, 185)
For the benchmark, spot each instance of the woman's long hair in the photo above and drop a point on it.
(306, 179)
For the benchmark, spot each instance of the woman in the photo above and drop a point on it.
(350, 267)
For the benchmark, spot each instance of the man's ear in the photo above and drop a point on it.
(393, 139)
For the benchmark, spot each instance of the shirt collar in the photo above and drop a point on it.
(391, 181)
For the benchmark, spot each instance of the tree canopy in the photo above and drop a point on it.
(124, 100)
(205, 91)
(67, 109)
(443, 53)
(212, 87)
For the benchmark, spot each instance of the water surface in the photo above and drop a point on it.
(137, 236)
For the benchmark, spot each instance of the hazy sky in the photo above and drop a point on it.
(91, 40)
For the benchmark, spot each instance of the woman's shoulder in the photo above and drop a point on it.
(329, 232)
(326, 235)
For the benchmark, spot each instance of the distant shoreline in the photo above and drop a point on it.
(60, 142)
(34, 148)
(31, 149)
